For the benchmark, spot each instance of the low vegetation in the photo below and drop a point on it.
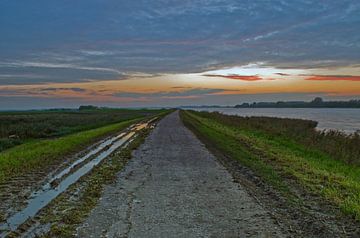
(74, 211)
(20, 127)
(337, 144)
(41, 153)
(323, 163)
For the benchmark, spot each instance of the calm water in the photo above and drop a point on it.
(344, 119)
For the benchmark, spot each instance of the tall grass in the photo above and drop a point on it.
(273, 155)
(339, 145)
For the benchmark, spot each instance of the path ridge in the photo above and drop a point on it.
(174, 187)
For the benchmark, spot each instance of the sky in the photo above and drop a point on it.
(139, 53)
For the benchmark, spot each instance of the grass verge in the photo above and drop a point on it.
(24, 126)
(39, 154)
(68, 211)
(275, 157)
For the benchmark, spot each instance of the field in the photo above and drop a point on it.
(284, 150)
(42, 138)
(19, 127)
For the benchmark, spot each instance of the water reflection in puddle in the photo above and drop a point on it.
(44, 196)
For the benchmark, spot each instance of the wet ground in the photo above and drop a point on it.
(174, 187)
(60, 180)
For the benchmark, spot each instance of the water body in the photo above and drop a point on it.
(344, 119)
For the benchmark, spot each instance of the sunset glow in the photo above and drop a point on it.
(156, 89)
(209, 55)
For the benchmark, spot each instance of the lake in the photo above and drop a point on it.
(344, 119)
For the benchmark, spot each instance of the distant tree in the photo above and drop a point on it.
(87, 107)
(317, 100)
(244, 105)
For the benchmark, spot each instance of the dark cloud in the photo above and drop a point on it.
(160, 36)
(195, 92)
(181, 87)
(24, 72)
(237, 77)
(282, 74)
(64, 89)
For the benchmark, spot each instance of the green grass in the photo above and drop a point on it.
(38, 154)
(67, 211)
(34, 153)
(65, 223)
(20, 127)
(233, 147)
(276, 157)
(337, 144)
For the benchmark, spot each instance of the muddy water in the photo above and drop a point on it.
(93, 152)
(44, 196)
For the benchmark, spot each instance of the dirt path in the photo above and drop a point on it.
(174, 187)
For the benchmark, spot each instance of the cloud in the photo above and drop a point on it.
(97, 52)
(333, 78)
(185, 93)
(182, 35)
(64, 89)
(97, 41)
(44, 92)
(182, 87)
(28, 76)
(262, 36)
(25, 64)
(237, 77)
(9, 92)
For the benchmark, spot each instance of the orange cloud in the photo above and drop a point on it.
(237, 77)
(333, 78)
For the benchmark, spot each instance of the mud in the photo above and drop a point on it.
(15, 193)
(60, 181)
(174, 187)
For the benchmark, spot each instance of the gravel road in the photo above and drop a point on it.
(174, 187)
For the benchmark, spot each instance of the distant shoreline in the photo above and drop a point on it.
(199, 107)
(316, 103)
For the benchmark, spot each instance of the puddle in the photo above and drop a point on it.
(44, 196)
(67, 170)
